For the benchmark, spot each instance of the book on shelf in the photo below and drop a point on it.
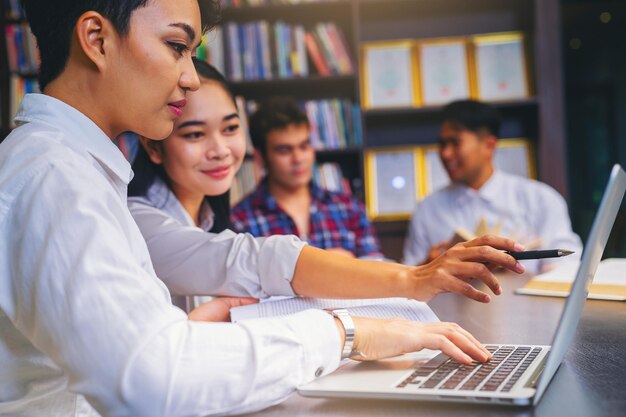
(330, 177)
(211, 49)
(334, 123)
(259, 50)
(609, 282)
(383, 308)
(253, 3)
(13, 10)
(18, 87)
(22, 51)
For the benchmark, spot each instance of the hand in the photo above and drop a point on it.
(378, 339)
(455, 268)
(436, 251)
(341, 251)
(219, 308)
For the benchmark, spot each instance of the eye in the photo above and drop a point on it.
(193, 135)
(180, 48)
(234, 128)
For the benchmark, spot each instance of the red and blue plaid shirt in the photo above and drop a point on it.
(336, 220)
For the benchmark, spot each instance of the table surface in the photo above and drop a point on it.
(590, 382)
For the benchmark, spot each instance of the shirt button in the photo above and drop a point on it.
(319, 372)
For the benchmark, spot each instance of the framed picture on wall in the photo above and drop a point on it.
(389, 75)
(501, 67)
(444, 70)
(515, 156)
(435, 175)
(392, 182)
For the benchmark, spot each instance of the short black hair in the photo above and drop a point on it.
(473, 115)
(52, 22)
(274, 113)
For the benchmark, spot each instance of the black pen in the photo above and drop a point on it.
(539, 254)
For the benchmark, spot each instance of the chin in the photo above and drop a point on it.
(157, 130)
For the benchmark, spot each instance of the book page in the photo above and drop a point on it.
(377, 308)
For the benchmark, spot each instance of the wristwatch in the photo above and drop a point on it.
(348, 325)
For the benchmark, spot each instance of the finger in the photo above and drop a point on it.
(497, 242)
(474, 340)
(464, 341)
(474, 270)
(440, 342)
(492, 256)
(466, 289)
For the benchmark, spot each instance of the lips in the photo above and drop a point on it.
(177, 107)
(218, 173)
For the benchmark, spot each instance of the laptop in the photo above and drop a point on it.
(517, 374)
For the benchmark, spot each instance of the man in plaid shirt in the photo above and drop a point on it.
(287, 201)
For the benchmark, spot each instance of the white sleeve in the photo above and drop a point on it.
(555, 228)
(415, 246)
(193, 262)
(81, 296)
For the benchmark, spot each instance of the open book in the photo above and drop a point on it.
(384, 308)
(463, 235)
(609, 282)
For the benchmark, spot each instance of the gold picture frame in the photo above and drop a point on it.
(513, 155)
(393, 182)
(516, 156)
(444, 70)
(500, 67)
(389, 75)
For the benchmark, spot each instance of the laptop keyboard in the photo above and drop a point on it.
(499, 374)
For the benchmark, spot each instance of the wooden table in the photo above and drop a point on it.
(590, 382)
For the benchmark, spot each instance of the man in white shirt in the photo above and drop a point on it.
(86, 327)
(516, 207)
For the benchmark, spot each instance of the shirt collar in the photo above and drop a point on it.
(490, 190)
(83, 133)
(162, 197)
(263, 192)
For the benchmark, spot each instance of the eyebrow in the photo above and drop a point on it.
(231, 116)
(191, 123)
(191, 33)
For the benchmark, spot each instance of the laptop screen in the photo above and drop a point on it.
(592, 254)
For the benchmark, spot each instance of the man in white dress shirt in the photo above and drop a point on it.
(517, 207)
(86, 327)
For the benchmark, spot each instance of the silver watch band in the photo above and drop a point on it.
(348, 325)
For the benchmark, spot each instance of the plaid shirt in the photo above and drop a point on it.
(336, 220)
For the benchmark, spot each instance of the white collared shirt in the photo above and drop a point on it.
(192, 261)
(82, 313)
(525, 210)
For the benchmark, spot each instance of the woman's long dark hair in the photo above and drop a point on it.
(146, 171)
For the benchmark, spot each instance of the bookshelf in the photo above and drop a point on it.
(18, 63)
(538, 118)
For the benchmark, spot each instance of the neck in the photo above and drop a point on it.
(283, 193)
(482, 178)
(192, 205)
(77, 89)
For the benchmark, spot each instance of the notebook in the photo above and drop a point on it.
(608, 284)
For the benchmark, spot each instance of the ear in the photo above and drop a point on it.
(259, 161)
(491, 141)
(94, 34)
(153, 149)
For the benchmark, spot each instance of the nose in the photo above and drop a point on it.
(189, 79)
(217, 148)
